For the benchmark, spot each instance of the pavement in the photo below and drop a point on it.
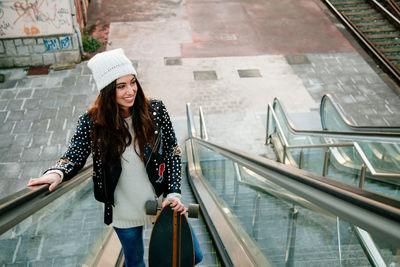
(232, 57)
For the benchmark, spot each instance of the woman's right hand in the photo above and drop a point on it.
(53, 179)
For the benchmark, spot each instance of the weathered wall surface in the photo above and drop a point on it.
(34, 18)
(37, 32)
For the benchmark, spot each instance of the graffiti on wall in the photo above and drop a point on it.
(53, 44)
(21, 18)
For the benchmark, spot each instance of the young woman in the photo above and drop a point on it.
(136, 156)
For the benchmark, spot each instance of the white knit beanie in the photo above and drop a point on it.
(109, 66)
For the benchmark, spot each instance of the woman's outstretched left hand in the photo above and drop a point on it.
(176, 205)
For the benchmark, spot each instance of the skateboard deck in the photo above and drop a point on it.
(171, 242)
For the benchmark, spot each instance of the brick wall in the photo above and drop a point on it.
(39, 51)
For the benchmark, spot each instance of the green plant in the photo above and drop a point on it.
(90, 44)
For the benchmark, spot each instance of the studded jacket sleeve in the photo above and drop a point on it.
(172, 152)
(78, 150)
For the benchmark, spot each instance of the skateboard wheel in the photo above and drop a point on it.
(151, 207)
(193, 210)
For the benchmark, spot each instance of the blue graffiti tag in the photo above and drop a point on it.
(65, 42)
(51, 44)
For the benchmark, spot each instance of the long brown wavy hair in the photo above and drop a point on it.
(110, 133)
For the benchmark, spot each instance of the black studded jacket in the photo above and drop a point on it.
(106, 178)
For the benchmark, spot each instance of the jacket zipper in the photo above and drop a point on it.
(148, 160)
(154, 147)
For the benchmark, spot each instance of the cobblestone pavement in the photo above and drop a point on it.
(363, 96)
(38, 116)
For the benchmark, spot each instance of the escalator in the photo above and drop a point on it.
(62, 228)
(384, 155)
(279, 215)
(66, 228)
(368, 159)
(258, 212)
(333, 118)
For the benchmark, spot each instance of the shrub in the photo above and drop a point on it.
(90, 44)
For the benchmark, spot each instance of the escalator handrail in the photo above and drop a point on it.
(190, 121)
(221, 230)
(365, 239)
(231, 244)
(371, 254)
(374, 195)
(365, 209)
(361, 135)
(203, 128)
(20, 205)
(365, 128)
(358, 149)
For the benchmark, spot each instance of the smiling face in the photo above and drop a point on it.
(126, 89)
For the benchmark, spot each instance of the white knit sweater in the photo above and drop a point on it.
(132, 191)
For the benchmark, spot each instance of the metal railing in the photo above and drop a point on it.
(390, 130)
(234, 246)
(286, 146)
(365, 240)
(203, 129)
(377, 217)
(355, 135)
(17, 207)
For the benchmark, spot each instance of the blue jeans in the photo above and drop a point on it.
(132, 245)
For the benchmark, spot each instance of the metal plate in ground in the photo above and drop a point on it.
(297, 59)
(205, 75)
(249, 73)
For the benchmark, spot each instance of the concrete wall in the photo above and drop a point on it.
(35, 33)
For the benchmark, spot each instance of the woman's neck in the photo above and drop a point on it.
(126, 113)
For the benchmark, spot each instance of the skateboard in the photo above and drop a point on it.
(171, 242)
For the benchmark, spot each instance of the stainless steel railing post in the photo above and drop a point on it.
(236, 182)
(203, 129)
(256, 215)
(339, 241)
(301, 159)
(326, 157)
(362, 175)
(284, 154)
(291, 237)
(267, 140)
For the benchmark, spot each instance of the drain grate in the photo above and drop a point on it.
(297, 59)
(205, 75)
(249, 73)
(171, 61)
